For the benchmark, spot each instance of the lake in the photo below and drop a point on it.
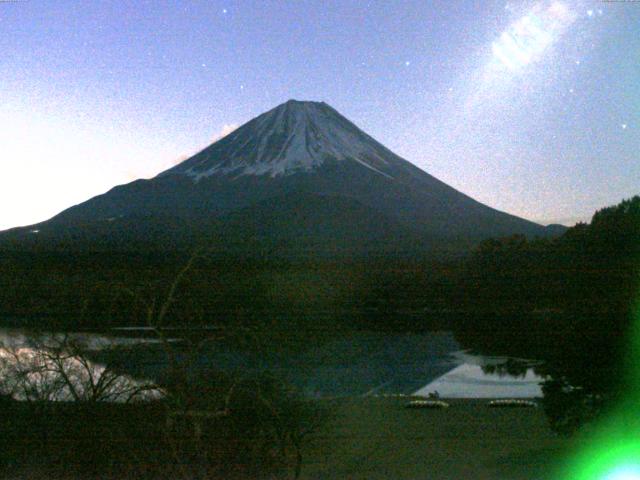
(357, 364)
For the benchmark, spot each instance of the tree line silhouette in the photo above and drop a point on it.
(570, 301)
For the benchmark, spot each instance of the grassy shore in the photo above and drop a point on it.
(363, 438)
(377, 438)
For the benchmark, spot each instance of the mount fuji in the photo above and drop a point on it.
(300, 178)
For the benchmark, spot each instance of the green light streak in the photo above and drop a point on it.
(613, 450)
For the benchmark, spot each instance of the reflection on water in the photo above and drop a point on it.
(478, 376)
(15, 337)
(57, 367)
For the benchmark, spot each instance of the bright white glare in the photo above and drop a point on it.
(527, 39)
(630, 472)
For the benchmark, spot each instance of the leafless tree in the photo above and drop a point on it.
(58, 368)
(287, 423)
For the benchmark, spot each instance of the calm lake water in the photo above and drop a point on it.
(362, 364)
(57, 367)
(469, 379)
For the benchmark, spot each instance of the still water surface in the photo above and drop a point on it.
(362, 364)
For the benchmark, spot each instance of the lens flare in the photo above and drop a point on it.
(613, 455)
(613, 451)
(527, 39)
(624, 473)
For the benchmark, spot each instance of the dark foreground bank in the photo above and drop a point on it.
(372, 438)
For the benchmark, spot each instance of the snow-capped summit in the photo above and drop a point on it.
(294, 137)
(298, 178)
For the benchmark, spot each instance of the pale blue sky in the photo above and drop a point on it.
(94, 94)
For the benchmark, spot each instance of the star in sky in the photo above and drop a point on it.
(510, 63)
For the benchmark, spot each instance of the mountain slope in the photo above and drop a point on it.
(300, 175)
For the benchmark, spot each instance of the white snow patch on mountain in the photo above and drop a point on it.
(314, 135)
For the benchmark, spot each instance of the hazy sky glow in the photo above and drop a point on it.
(530, 107)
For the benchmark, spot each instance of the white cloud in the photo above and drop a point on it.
(227, 128)
(167, 163)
